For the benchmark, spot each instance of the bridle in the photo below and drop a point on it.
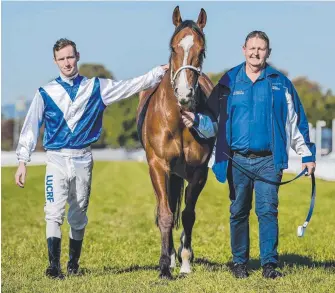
(173, 77)
(198, 71)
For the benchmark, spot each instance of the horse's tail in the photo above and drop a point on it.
(175, 190)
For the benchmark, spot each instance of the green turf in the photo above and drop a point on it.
(122, 244)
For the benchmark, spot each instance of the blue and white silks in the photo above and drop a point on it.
(72, 110)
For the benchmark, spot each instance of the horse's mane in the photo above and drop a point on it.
(192, 25)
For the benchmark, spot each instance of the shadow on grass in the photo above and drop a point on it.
(132, 268)
(211, 265)
(292, 260)
(106, 270)
(289, 260)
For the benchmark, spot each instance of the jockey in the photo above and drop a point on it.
(71, 107)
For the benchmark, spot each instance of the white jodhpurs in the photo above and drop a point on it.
(68, 179)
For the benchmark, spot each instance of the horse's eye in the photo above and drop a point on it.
(172, 50)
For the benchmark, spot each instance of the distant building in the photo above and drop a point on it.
(8, 111)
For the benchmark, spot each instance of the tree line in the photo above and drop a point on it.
(119, 122)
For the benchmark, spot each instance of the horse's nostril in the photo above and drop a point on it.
(190, 94)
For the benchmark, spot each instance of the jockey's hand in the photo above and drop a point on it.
(20, 176)
(165, 67)
(310, 166)
(188, 118)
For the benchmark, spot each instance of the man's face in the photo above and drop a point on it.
(66, 60)
(256, 52)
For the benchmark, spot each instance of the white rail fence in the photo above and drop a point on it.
(325, 168)
(325, 164)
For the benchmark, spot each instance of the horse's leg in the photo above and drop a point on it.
(172, 252)
(185, 253)
(159, 178)
(175, 192)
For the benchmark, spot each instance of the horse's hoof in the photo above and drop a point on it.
(183, 275)
(165, 275)
(185, 269)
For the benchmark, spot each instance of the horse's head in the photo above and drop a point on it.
(187, 53)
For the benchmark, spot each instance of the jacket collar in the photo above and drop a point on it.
(230, 76)
(70, 80)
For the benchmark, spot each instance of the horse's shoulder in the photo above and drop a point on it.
(144, 95)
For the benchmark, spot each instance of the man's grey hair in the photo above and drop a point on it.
(258, 34)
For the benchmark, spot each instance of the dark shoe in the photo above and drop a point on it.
(54, 249)
(54, 273)
(270, 272)
(240, 271)
(72, 268)
(74, 255)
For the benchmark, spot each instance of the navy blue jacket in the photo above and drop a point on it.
(289, 125)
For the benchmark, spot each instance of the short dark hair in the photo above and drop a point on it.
(62, 43)
(258, 34)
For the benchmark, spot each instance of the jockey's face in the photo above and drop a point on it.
(256, 52)
(66, 60)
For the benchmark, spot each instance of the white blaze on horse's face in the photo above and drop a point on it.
(183, 90)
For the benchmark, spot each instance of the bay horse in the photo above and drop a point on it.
(175, 153)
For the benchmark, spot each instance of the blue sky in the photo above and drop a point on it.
(132, 37)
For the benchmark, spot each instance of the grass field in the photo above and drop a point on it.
(122, 244)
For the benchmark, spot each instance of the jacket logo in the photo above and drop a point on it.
(274, 87)
(238, 93)
(223, 96)
(49, 188)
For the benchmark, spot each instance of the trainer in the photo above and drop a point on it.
(259, 118)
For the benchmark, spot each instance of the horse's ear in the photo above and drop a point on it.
(202, 18)
(176, 17)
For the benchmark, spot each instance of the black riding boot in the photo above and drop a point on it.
(54, 249)
(74, 255)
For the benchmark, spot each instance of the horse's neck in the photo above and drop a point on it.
(166, 96)
(166, 106)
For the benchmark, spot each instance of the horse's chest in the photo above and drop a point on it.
(194, 152)
(191, 151)
(190, 155)
(177, 142)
